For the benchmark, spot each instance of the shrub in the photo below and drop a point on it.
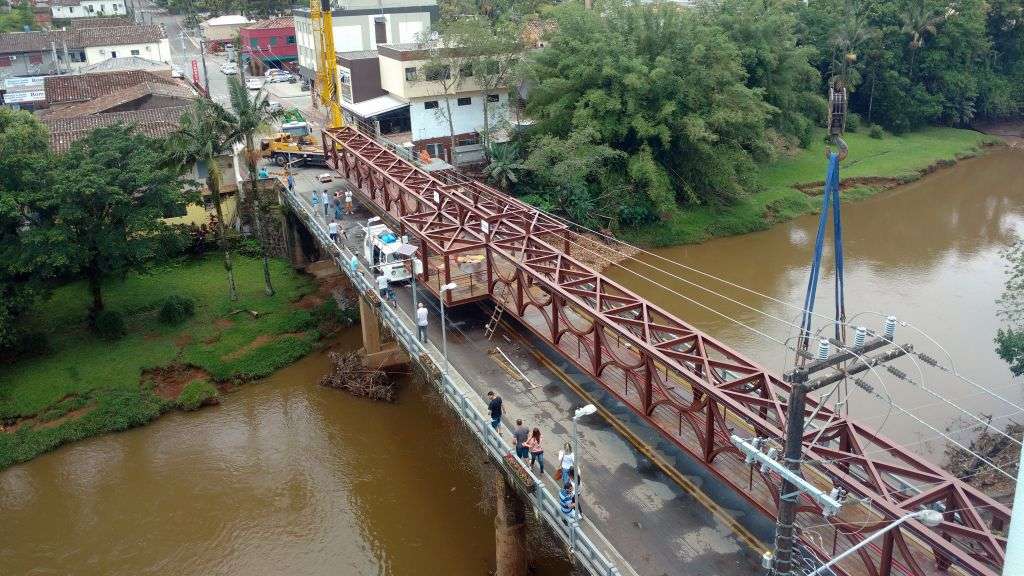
(109, 325)
(195, 394)
(176, 309)
(852, 122)
(876, 132)
(26, 345)
(250, 247)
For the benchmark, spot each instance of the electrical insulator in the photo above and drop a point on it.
(860, 336)
(823, 349)
(889, 329)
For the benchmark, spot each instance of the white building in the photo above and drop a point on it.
(223, 28)
(99, 44)
(363, 25)
(44, 52)
(67, 9)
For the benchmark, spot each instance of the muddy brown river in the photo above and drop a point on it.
(286, 477)
(928, 252)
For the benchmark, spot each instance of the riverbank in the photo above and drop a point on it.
(791, 185)
(79, 385)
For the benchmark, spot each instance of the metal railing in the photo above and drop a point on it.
(546, 503)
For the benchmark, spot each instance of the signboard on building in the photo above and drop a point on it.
(195, 73)
(27, 82)
(24, 96)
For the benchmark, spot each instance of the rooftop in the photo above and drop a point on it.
(107, 22)
(155, 122)
(17, 42)
(82, 87)
(227, 20)
(101, 104)
(357, 55)
(112, 35)
(279, 22)
(124, 64)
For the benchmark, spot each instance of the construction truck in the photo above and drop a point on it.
(384, 250)
(294, 145)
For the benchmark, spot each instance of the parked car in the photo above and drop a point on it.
(274, 106)
(276, 75)
(253, 83)
(228, 69)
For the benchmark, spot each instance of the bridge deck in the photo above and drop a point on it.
(657, 526)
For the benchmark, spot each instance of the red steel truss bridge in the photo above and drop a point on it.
(694, 390)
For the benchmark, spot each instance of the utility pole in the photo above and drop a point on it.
(799, 378)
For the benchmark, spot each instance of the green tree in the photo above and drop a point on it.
(775, 62)
(18, 18)
(505, 166)
(443, 74)
(252, 115)
(207, 132)
(660, 85)
(25, 165)
(108, 197)
(1010, 339)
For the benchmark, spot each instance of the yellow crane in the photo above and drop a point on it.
(326, 61)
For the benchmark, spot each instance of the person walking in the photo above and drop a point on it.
(337, 205)
(382, 286)
(567, 501)
(521, 434)
(315, 201)
(327, 203)
(421, 321)
(566, 461)
(348, 202)
(536, 450)
(494, 407)
(291, 182)
(332, 231)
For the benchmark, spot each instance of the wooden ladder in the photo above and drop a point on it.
(499, 309)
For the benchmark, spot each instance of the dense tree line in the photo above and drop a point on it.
(644, 107)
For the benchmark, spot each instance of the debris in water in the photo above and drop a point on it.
(349, 373)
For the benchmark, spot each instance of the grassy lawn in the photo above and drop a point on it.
(900, 158)
(81, 371)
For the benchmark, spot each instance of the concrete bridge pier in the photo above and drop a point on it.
(380, 349)
(302, 248)
(509, 530)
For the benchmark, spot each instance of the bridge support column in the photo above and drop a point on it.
(509, 530)
(380, 350)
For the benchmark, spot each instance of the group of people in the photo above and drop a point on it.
(529, 447)
(331, 203)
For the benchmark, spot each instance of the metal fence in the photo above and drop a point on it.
(545, 502)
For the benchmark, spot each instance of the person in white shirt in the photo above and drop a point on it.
(332, 231)
(382, 286)
(421, 321)
(348, 202)
(568, 461)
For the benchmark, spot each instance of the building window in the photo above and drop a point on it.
(35, 58)
(466, 70)
(469, 142)
(291, 39)
(430, 105)
(410, 74)
(254, 42)
(135, 52)
(89, 8)
(435, 73)
(435, 150)
(380, 30)
(465, 101)
(273, 40)
(71, 9)
(492, 98)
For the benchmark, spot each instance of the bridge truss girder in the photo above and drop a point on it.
(694, 390)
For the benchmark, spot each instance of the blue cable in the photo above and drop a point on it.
(830, 198)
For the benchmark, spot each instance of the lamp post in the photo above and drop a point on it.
(444, 330)
(417, 269)
(927, 517)
(579, 413)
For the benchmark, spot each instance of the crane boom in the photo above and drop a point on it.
(326, 60)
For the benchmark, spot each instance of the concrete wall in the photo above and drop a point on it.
(153, 51)
(356, 32)
(91, 9)
(393, 79)
(27, 64)
(427, 124)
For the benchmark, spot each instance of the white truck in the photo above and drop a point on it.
(384, 250)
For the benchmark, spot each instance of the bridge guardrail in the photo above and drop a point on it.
(546, 504)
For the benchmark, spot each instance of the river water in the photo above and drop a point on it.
(288, 477)
(928, 252)
(284, 477)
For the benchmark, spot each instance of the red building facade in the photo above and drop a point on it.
(271, 42)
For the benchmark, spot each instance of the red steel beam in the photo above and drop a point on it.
(673, 366)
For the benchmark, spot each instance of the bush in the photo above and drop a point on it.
(26, 345)
(250, 247)
(196, 394)
(876, 132)
(109, 325)
(852, 122)
(176, 309)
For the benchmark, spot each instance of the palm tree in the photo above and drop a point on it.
(251, 117)
(918, 21)
(206, 133)
(505, 166)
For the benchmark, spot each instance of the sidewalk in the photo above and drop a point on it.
(658, 526)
